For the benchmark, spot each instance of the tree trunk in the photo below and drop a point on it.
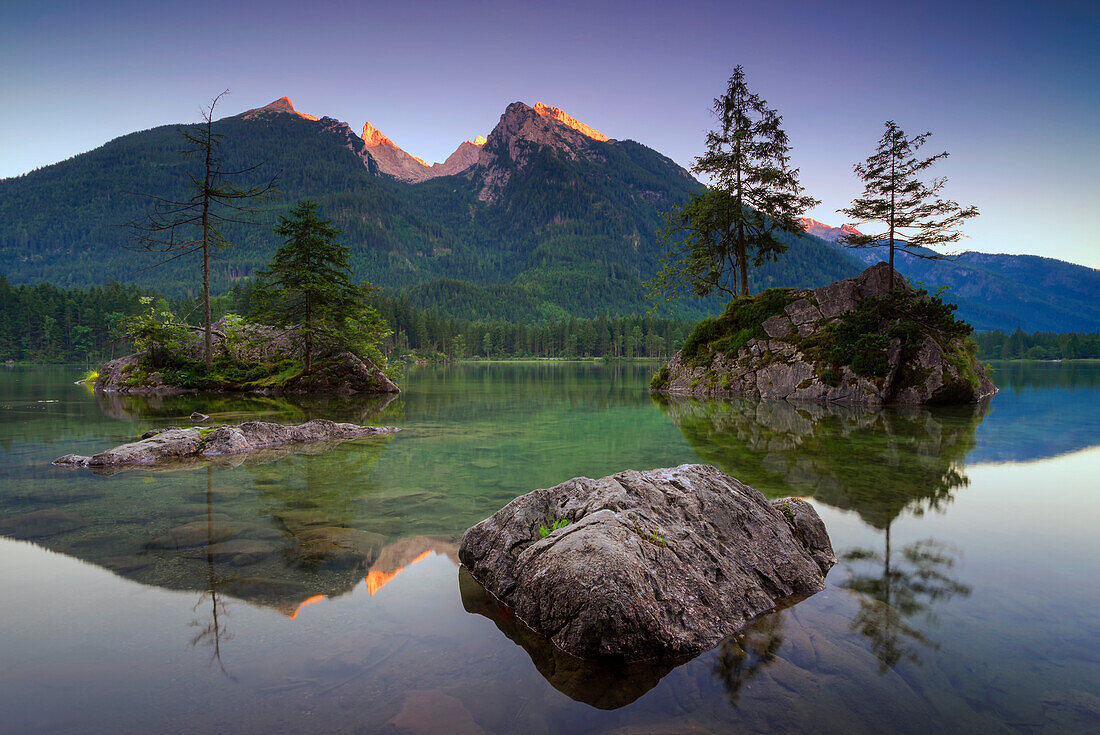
(741, 254)
(309, 335)
(207, 341)
(744, 270)
(893, 188)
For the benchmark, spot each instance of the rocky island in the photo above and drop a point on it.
(643, 565)
(252, 358)
(175, 444)
(853, 341)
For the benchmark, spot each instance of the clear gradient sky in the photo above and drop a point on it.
(1011, 89)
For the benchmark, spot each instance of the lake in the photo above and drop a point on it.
(319, 590)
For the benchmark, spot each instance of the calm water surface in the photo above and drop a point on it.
(320, 590)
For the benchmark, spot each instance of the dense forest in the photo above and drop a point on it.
(47, 324)
(1018, 345)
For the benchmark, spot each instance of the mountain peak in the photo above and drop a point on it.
(373, 137)
(283, 104)
(827, 232)
(569, 121)
(478, 141)
(509, 146)
(391, 159)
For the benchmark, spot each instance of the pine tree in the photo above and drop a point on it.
(754, 196)
(215, 201)
(914, 214)
(308, 286)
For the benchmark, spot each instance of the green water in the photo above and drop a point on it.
(319, 589)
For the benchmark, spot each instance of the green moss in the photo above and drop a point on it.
(695, 383)
(742, 320)
(657, 539)
(660, 378)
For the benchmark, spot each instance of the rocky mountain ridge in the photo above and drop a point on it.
(520, 126)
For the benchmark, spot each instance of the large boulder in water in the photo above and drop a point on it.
(651, 564)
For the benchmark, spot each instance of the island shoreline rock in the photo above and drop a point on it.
(788, 355)
(334, 371)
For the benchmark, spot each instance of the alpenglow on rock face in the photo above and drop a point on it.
(651, 564)
(853, 341)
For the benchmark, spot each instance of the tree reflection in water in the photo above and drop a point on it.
(212, 633)
(877, 462)
(911, 581)
(748, 652)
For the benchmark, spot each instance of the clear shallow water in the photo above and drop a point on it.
(320, 591)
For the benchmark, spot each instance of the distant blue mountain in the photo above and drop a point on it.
(998, 291)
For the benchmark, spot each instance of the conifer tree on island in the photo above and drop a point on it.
(192, 225)
(914, 214)
(754, 197)
(308, 286)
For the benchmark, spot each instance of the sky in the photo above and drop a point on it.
(1010, 89)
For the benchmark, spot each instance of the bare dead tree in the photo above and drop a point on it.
(183, 227)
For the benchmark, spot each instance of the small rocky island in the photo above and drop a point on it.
(176, 444)
(853, 341)
(252, 358)
(643, 565)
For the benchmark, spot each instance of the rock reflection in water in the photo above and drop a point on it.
(363, 409)
(604, 684)
(878, 462)
(749, 651)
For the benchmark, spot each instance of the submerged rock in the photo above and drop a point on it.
(175, 444)
(650, 564)
(853, 341)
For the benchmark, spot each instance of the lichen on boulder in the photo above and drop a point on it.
(653, 564)
(853, 341)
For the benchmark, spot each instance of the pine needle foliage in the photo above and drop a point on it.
(754, 199)
(308, 286)
(913, 213)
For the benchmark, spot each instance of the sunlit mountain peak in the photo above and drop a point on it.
(565, 119)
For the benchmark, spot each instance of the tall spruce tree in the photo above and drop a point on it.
(308, 286)
(914, 215)
(754, 197)
(186, 226)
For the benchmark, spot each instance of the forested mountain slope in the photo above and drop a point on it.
(552, 219)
